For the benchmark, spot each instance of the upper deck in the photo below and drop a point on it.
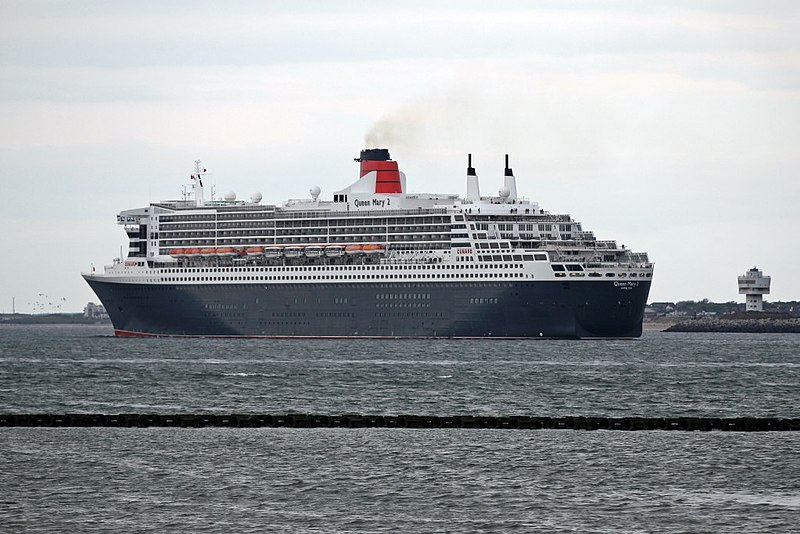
(375, 211)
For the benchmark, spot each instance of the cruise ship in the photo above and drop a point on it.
(373, 261)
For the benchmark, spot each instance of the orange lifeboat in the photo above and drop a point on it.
(354, 249)
(334, 251)
(192, 251)
(314, 251)
(226, 251)
(273, 251)
(208, 252)
(177, 252)
(254, 251)
(373, 249)
(293, 251)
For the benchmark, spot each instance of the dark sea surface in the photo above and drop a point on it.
(398, 480)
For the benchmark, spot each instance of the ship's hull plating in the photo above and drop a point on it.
(535, 309)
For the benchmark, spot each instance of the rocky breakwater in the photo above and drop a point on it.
(745, 323)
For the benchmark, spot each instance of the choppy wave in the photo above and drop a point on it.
(379, 480)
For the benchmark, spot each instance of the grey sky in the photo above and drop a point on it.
(671, 128)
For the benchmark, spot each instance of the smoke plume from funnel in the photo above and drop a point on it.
(402, 129)
(425, 120)
(506, 110)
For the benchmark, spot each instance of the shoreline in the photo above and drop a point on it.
(659, 325)
(50, 319)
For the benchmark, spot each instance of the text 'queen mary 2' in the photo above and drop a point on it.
(375, 261)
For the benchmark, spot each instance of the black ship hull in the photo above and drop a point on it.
(535, 309)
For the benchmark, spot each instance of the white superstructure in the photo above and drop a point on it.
(368, 224)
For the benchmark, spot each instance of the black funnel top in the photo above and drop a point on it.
(374, 154)
(508, 171)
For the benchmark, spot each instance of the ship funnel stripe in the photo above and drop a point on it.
(387, 175)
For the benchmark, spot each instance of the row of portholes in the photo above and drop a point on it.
(482, 300)
(402, 304)
(393, 296)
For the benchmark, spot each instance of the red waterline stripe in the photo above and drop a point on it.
(130, 333)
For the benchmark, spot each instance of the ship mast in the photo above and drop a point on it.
(197, 183)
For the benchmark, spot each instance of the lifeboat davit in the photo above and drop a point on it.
(334, 251)
(273, 252)
(314, 251)
(353, 249)
(254, 251)
(293, 251)
(373, 249)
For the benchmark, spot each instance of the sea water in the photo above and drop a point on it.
(398, 480)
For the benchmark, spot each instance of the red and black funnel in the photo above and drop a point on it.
(388, 175)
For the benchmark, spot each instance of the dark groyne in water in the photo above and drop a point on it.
(736, 424)
(745, 324)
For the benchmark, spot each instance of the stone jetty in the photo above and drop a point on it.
(749, 323)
